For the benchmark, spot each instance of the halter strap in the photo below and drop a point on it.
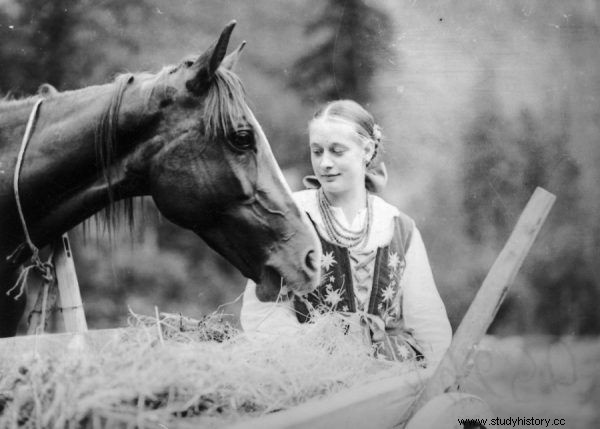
(24, 143)
(45, 268)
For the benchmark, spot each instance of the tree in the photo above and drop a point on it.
(559, 271)
(49, 42)
(352, 40)
(505, 162)
(493, 172)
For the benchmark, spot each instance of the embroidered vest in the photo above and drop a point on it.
(336, 292)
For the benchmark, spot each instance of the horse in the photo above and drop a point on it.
(186, 137)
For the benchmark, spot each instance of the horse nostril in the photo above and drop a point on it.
(310, 260)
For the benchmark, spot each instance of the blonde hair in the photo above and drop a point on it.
(352, 112)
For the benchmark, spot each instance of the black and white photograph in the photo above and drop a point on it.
(298, 214)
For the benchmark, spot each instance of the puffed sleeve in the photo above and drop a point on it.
(423, 309)
(272, 318)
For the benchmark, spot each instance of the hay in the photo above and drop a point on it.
(172, 369)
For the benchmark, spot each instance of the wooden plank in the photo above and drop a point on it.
(380, 404)
(68, 287)
(444, 410)
(458, 359)
(39, 315)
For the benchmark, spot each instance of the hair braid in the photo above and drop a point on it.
(376, 136)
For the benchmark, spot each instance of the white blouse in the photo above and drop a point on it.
(422, 307)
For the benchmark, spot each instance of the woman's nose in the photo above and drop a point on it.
(326, 161)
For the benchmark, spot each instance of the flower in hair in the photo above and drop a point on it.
(377, 132)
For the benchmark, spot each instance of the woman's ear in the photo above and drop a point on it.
(369, 150)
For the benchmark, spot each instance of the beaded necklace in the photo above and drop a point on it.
(338, 232)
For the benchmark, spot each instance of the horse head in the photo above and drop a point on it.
(209, 168)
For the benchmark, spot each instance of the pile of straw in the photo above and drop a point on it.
(171, 369)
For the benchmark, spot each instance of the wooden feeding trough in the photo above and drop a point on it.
(421, 399)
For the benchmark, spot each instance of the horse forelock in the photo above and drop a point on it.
(225, 104)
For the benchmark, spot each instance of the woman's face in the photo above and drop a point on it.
(337, 155)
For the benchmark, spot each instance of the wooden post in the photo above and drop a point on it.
(40, 314)
(458, 359)
(68, 286)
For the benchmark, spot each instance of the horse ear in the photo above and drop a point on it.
(207, 64)
(46, 90)
(231, 60)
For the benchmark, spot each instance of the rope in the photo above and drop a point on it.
(24, 143)
(44, 268)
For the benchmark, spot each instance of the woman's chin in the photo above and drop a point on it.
(330, 188)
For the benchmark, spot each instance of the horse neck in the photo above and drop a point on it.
(63, 143)
(60, 183)
(65, 127)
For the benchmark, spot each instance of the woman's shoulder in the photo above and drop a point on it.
(383, 210)
(304, 195)
(306, 199)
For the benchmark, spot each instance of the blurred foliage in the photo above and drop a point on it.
(505, 161)
(480, 103)
(494, 171)
(48, 41)
(351, 39)
(156, 264)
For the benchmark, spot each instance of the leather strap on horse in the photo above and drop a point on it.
(44, 268)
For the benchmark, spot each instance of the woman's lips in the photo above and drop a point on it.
(329, 177)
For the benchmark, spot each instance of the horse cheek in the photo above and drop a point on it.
(243, 176)
(172, 190)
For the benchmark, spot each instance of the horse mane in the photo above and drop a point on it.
(105, 143)
(9, 101)
(225, 103)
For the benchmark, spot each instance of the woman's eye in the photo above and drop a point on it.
(243, 140)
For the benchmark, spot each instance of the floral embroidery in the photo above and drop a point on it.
(393, 311)
(393, 261)
(328, 260)
(398, 341)
(389, 310)
(333, 297)
(388, 307)
(389, 293)
(403, 352)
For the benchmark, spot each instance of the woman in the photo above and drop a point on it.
(374, 267)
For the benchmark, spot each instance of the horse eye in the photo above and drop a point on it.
(243, 140)
(188, 63)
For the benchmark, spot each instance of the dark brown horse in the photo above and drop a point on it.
(184, 136)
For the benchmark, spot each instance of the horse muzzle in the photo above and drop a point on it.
(275, 279)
